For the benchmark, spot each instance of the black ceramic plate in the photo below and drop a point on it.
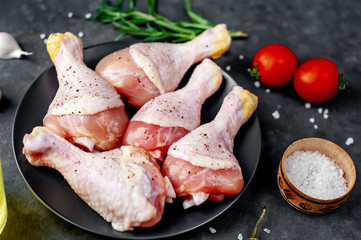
(52, 190)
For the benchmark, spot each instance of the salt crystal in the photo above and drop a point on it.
(276, 114)
(349, 141)
(257, 84)
(315, 174)
(312, 120)
(308, 105)
(268, 90)
(240, 236)
(241, 57)
(88, 15)
(70, 14)
(45, 41)
(267, 230)
(320, 110)
(228, 68)
(42, 36)
(80, 34)
(325, 113)
(212, 230)
(315, 126)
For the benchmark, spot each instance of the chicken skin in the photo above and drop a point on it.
(201, 165)
(124, 185)
(86, 109)
(146, 70)
(168, 117)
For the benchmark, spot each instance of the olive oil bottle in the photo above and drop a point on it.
(3, 207)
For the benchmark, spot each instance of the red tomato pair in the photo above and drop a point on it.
(316, 80)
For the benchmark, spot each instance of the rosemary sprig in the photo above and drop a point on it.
(151, 26)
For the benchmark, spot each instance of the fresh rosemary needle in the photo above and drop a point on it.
(151, 26)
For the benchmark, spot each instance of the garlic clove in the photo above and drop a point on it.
(9, 48)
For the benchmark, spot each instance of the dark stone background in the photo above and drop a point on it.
(311, 29)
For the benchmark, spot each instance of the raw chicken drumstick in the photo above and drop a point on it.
(201, 165)
(146, 70)
(168, 117)
(86, 109)
(124, 185)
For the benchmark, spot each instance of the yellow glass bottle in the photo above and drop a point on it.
(3, 208)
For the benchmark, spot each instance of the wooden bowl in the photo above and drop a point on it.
(303, 202)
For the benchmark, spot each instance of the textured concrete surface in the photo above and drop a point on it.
(311, 29)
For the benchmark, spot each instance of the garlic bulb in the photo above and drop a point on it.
(9, 48)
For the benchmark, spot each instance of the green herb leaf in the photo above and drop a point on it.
(343, 82)
(151, 26)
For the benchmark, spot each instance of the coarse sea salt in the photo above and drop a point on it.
(276, 114)
(88, 16)
(315, 174)
(349, 141)
(212, 230)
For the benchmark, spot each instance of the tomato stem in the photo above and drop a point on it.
(257, 224)
(254, 73)
(343, 82)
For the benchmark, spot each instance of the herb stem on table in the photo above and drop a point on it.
(257, 224)
(152, 26)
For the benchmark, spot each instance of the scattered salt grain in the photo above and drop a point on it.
(212, 230)
(349, 141)
(276, 114)
(325, 113)
(320, 110)
(312, 120)
(315, 174)
(240, 236)
(228, 68)
(257, 84)
(315, 126)
(70, 14)
(45, 40)
(88, 15)
(308, 105)
(241, 57)
(268, 90)
(80, 34)
(42, 36)
(267, 230)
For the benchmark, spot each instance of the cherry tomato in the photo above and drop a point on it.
(274, 65)
(317, 80)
